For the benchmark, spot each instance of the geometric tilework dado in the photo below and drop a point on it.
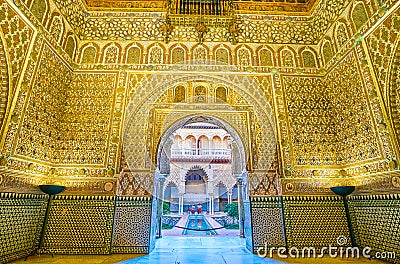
(132, 225)
(315, 221)
(80, 225)
(376, 221)
(267, 222)
(21, 219)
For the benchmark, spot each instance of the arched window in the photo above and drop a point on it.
(156, 55)
(196, 181)
(217, 142)
(203, 145)
(341, 35)
(39, 8)
(287, 58)
(70, 47)
(134, 55)
(190, 145)
(327, 52)
(56, 28)
(89, 55)
(179, 94)
(222, 55)
(265, 57)
(178, 55)
(221, 94)
(200, 54)
(111, 54)
(225, 142)
(200, 93)
(243, 57)
(359, 15)
(308, 59)
(177, 140)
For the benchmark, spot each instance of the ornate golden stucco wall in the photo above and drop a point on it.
(298, 82)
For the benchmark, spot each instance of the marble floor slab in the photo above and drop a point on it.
(188, 250)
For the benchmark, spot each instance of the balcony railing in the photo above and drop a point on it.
(202, 15)
(201, 7)
(201, 152)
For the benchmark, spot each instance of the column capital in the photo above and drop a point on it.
(161, 178)
(240, 181)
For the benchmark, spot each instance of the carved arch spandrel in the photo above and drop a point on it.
(140, 139)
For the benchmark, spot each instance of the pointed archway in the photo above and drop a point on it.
(239, 159)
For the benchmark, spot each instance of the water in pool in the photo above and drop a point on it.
(198, 222)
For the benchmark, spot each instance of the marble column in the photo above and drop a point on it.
(229, 196)
(180, 204)
(209, 205)
(212, 204)
(160, 200)
(240, 204)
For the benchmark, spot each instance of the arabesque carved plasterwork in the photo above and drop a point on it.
(338, 107)
(136, 106)
(252, 28)
(38, 137)
(17, 35)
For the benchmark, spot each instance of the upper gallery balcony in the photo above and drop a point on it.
(216, 155)
(212, 13)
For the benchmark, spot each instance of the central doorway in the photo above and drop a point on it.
(201, 195)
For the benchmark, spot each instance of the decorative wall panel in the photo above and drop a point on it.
(265, 183)
(381, 45)
(132, 224)
(80, 225)
(310, 116)
(21, 218)
(376, 221)
(267, 222)
(17, 35)
(353, 118)
(85, 126)
(315, 221)
(12, 131)
(329, 118)
(39, 132)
